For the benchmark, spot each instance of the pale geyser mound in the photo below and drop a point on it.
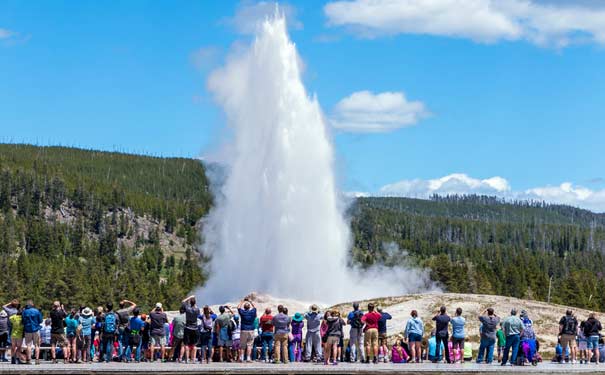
(278, 225)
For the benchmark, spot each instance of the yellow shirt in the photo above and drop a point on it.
(17, 326)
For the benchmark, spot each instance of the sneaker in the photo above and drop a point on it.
(334, 363)
(38, 361)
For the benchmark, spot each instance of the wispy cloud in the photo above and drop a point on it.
(366, 112)
(460, 183)
(6, 34)
(249, 14)
(556, 23)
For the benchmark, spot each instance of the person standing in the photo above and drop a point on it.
(224, 327)
(512, 326)
(32, 320)
(108, 337)
(247, 313)
(4, 333)
(489, 324)
(124, 311)
(190, 336)
(57, 331)
(592, 329)
(178, 335)
(158, 336)
(72, 322)
(334, 333)
(414, 330)
(135, 327)
(458, 335)
(382, 333)
(370, 320)
(86, 322)
(568, 327)
(356, 334)
(281, 322)
(442, 321)
(313, 337)
(267, 328)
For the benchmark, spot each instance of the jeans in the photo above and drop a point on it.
(486, 347)
(107, 346)
(137, 352)
(267, 340)
(122, 342)
(313, 340)
(511, 341)
(446, 349)
(356, 344)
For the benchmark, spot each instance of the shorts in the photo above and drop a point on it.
(58, 339)
(3, 340)
(177, 342)
(190, 337)
(32, 338)
(592, 342)
(333, 340)
(86, 343)
(458, 342)
(382, 338)
(16, 341)
(371, 337)
(247, 338)
(568, 340)
(227, 343)
(414, 337)
(236, 344)
(158, 340)
(582, 344)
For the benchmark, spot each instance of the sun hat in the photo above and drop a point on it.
(3, 313)
(87, 311)
(298, 317)
(314, 307)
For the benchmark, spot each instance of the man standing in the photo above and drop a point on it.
(370, 319)
(313, 337)
(158, 338)
(282, 322)
(266, 325)
(123, 317)
(110, 327)
(190, 335)
(57, 331)
(356, 334)
(224, 327)
(592, 329)
(382, 332)
(568, 327)
(442, 332)
(512, 326)
(178, 334)
(247, 316)
(32, 319)
(489, 324)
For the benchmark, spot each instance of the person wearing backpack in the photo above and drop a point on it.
(568, 327)
(109, 330)
(356, 334)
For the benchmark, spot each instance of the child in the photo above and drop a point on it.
(501, 342)
(468, 351)
(582, 344)
(398, 353)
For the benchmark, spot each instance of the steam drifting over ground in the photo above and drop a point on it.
(277, 225)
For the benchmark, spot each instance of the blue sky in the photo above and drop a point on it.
(444, 103)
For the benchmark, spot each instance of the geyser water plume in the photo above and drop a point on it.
(277, 226)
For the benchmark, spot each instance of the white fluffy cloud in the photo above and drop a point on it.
(249, 13)
(461, 184)
(551, 24)
(364, 111)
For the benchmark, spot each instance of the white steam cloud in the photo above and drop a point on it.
(277, 225)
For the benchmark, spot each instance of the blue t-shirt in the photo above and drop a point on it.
(247, 319)
(87, 325)
(458, 327)
(136, 324)
(71, 325)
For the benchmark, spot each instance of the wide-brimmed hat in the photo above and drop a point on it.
(87, 311)
(3, 313)
(298, 317)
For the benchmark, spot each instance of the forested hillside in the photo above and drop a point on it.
(485, 245)
(95, 226)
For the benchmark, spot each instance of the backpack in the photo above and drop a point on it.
(356, 320)
(110, 323)
(571, 326)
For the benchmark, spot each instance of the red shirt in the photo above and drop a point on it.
(371, 320)
(266, 323)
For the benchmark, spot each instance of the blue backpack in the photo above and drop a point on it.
(110, 323)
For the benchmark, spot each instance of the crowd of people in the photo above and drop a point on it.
(241, 334)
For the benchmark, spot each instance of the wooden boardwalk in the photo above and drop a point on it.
(295, 368)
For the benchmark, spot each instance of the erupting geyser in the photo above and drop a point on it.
(277, 226)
